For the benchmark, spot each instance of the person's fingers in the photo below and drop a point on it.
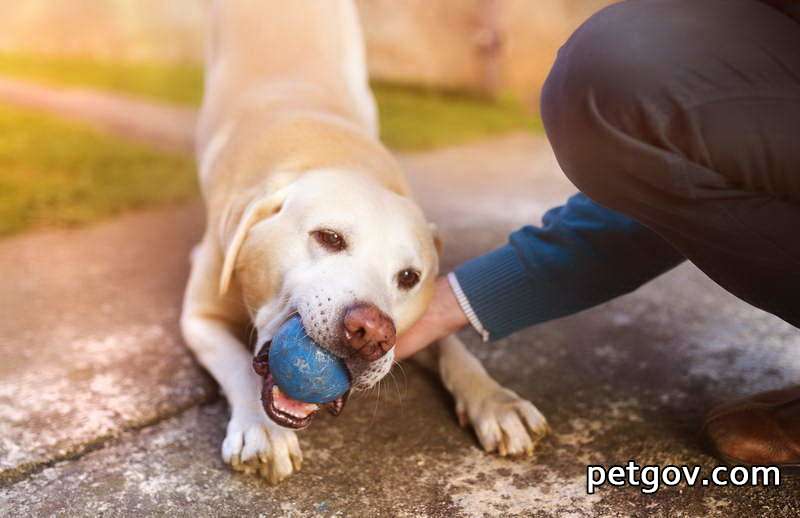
(421, 334)
(443, 317)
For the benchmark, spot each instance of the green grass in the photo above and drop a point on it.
(411, 118)
(417, 119)
(56, 173)
(176, 83)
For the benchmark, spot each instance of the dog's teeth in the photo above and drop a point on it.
(292, 407)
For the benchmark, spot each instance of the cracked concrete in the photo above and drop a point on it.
(103, 411)
(90, 344)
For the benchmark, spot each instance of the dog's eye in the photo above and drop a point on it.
(407, 279)
(330, 239)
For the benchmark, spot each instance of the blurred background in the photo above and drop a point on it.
(444, 73)
(477, 45)
(104, 412)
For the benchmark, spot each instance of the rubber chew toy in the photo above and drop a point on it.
(302, 369)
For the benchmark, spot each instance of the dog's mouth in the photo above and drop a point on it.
(284, 410)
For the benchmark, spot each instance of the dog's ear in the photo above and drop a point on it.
(437, 238)
(256, 211)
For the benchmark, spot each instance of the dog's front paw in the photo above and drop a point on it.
(503, 421)
(254, 444)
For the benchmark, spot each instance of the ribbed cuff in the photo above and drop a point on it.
(497, 290)
(466, 307)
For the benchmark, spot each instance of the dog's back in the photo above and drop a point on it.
(286, 55)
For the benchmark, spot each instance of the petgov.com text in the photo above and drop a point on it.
(651, 478)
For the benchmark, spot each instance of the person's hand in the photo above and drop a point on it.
(443, 317)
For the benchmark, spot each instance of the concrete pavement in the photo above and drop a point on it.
(103, 411)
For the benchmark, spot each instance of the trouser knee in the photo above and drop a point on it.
(603, 97)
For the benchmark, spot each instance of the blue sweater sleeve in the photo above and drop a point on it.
(584, 254)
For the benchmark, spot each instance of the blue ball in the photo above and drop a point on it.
(302, 369)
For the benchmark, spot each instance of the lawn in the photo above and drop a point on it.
(411, 118)
(414, 119)
(175, 83)
(57, 173)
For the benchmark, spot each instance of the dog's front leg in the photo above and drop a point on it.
(502, 420)
(254, 443)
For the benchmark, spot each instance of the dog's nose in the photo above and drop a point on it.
(368, 331)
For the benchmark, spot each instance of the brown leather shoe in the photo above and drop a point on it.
(760, 429)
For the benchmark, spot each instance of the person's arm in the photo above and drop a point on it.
(583, 254)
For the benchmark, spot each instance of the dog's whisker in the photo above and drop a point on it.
(403, 371)
(376, 387)
(397, 389)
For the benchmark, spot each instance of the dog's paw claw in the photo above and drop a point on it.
(504, 422)
(257, 446)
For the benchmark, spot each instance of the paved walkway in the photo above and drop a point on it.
(162, 125)
(103, 411)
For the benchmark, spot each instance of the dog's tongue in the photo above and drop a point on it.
(291, 406)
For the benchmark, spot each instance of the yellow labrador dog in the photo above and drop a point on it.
(307, 213)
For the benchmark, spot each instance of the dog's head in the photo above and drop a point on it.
(355, 260)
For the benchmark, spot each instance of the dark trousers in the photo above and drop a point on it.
(685, 116)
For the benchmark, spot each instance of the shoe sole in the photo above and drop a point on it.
(792, 470)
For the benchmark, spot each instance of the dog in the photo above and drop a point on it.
(307, 213)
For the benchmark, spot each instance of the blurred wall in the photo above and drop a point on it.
(483, 45)
(116, 29)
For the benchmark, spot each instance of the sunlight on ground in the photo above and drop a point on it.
(411, 118)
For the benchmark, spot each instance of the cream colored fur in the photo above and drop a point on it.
(287, 144)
